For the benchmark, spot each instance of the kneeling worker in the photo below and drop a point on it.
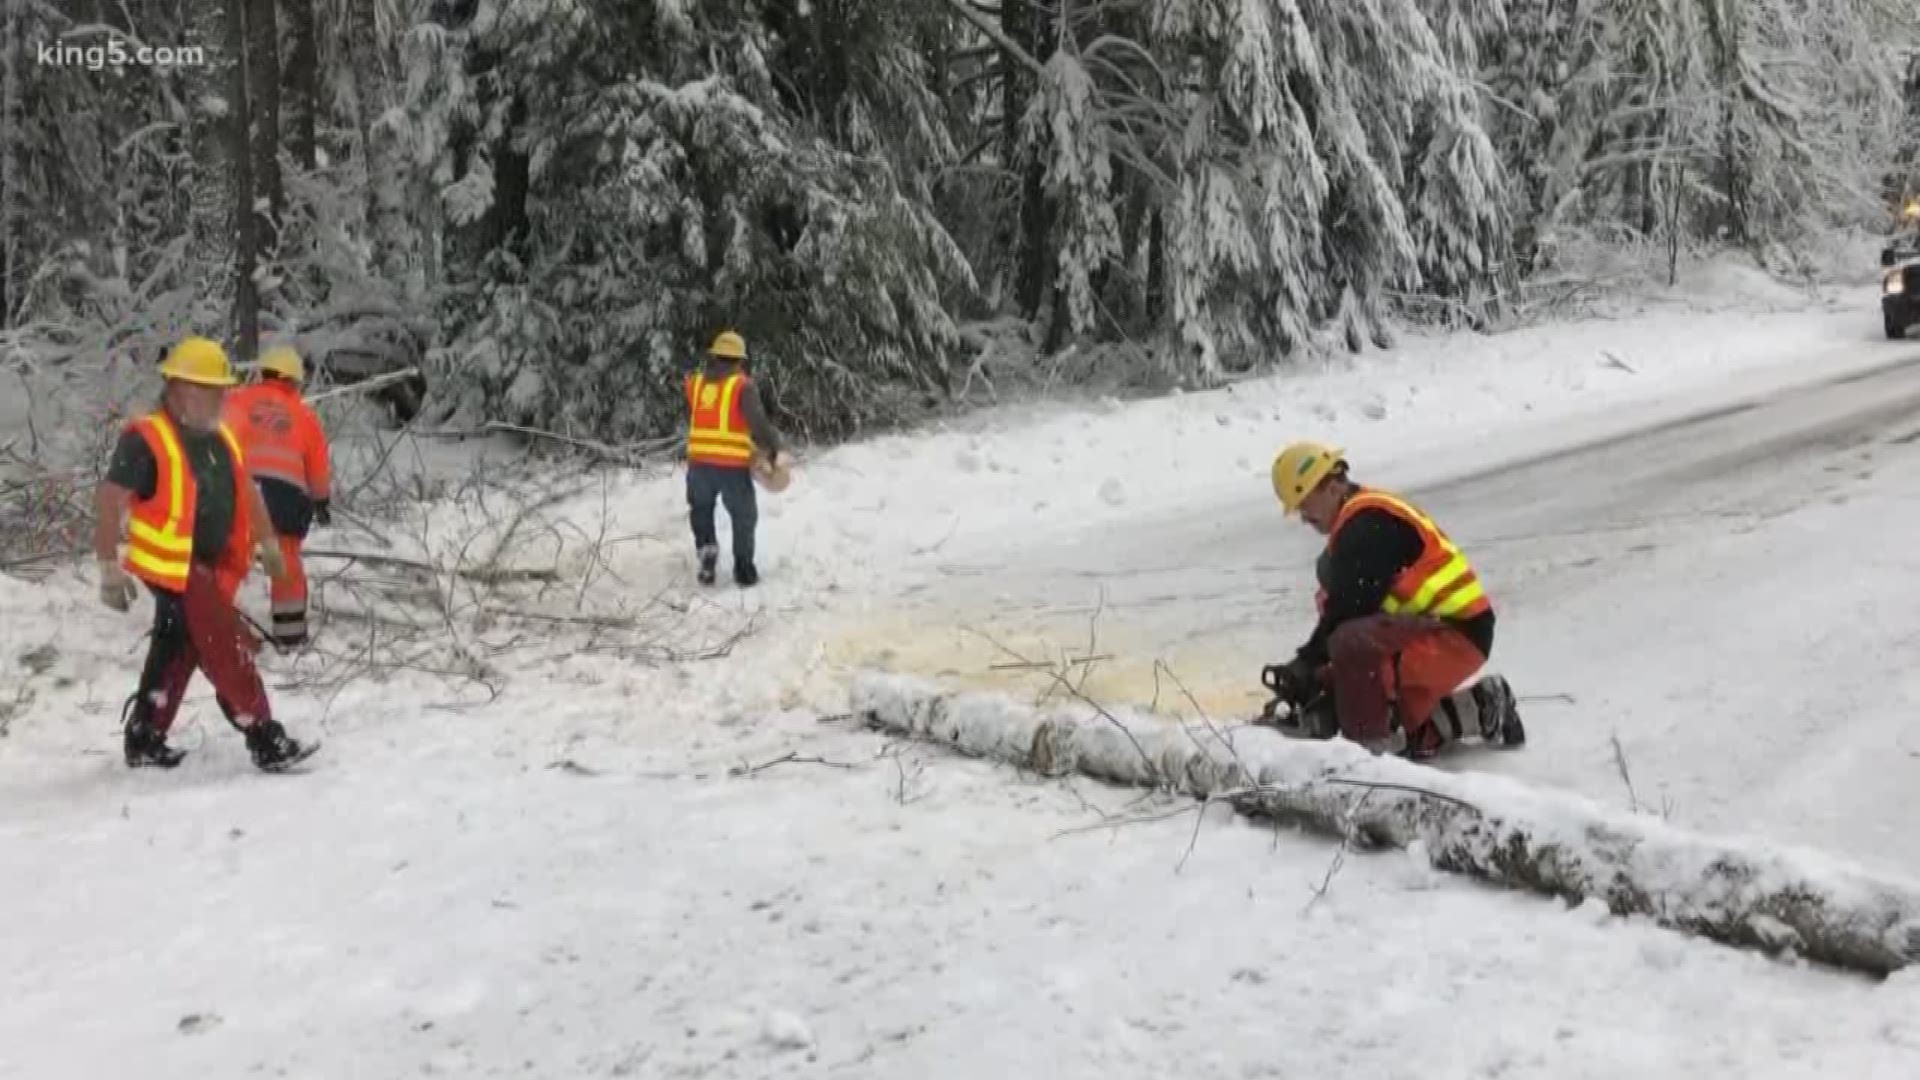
(1404, 622)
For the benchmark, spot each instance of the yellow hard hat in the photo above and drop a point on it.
(728, 346)
(1299, 468)
(283, 361)
(200, 361)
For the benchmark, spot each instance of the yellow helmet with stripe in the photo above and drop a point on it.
(1299, 468)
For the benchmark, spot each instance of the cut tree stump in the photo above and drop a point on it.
(1748, 894)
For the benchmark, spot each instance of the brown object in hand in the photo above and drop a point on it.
(772, 475)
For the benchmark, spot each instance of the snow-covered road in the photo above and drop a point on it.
(571, 881)
(1729, 592)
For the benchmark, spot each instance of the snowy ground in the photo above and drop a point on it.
(610, 872)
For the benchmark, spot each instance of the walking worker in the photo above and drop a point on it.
(179, 478)
(1404, 620)
(286, 449)
(727, 434)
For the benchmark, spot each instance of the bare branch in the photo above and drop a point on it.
(1349, 831)
(791, 759)
(365, 385)
(998, 36)
(482, 575)
(1626, 777)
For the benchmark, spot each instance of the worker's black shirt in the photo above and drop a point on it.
(133, 467)
(1358, 569)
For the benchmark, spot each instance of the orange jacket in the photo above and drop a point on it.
(283, 438)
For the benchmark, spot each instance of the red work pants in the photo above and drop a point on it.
(1387, 666)
(200, 630)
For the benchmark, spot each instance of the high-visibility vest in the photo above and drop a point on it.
(282, 437)
(717, 432)
(160, 528)
(1440, 583)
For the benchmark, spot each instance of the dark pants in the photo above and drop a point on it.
(708, 484)
(1389, 668)
(200, 630)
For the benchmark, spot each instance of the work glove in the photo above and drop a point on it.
(271, 560)
(116, 588)
(322, 513)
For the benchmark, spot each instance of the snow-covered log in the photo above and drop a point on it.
(1740, 893)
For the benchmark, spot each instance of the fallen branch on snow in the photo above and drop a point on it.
(1748, 895)
(743, 769)
(641, 451)
(485, 575)
(365, 386)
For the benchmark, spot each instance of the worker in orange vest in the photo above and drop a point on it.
(1404, 622)
(179, 478)
(727, 428)
(286, 449)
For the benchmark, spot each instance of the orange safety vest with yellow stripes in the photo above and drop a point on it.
(160, 528)
(1440, 584)
(717, 432)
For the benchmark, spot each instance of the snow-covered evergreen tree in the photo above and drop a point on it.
(630, 181)
(570, 197)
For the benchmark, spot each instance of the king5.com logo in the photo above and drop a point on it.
(118, 53)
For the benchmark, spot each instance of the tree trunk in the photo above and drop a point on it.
(1156, 267)
(1723, 32)
(245, 223)
(10, 148)
(1485, 827)
(303, 79)
(1031, 27)
(263, 99)
(384, 199)
(512, 178)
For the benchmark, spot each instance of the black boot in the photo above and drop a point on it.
(709, 564)
(1499, 713)
(145, 748)
(745, 576)
(273, 749)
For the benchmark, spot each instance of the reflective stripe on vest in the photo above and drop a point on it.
(717, 431)
(1440, 583)
(160, 529)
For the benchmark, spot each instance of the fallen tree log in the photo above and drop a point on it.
(1775, 899)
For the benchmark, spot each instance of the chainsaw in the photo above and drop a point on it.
(1313, 720)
